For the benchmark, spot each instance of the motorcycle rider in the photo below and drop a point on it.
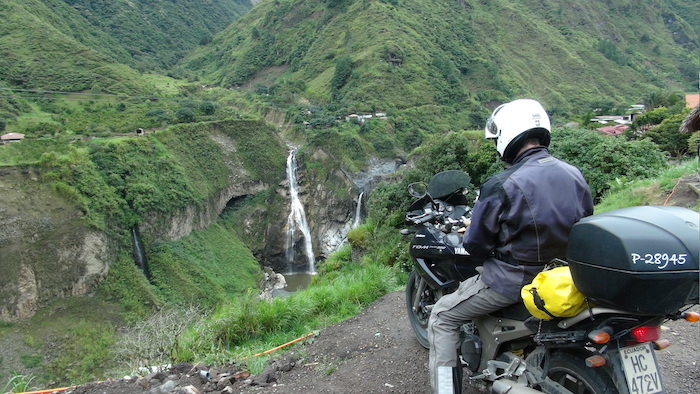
(520, 223)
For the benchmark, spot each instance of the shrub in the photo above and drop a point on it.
(185, 115)
(602, 159)
(207, 108)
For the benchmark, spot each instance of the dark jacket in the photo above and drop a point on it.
(523, 218)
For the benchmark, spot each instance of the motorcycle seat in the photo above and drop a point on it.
(516, 311)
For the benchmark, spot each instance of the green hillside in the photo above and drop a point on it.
(78, 45)
(398, 54)
(158, 33)
(39, 49)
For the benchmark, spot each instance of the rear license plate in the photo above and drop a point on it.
(641, 371)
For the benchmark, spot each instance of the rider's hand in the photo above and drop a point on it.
(465, 222)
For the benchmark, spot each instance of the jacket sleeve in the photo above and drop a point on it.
(482, 235)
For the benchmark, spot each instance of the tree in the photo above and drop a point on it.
(603, 159)
(650, 118)
(185, 115)
(207, 108)
(660, 98)
(668, 137)
(343, 69)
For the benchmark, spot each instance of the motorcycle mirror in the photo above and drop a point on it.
(418, 189)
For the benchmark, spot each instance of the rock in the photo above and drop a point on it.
(271, 284)
(242, 375)
(165, 388)
(143, 383)
(268, 375)
(187, 390)
(182, 368)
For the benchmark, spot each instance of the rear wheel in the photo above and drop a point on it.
(570, 371)
(416, 290)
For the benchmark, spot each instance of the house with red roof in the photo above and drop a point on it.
(614, 129)
(11, 137)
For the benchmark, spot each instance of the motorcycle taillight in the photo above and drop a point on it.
(646, 333)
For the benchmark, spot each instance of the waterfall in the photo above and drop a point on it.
(358, 211)
(297, 217)
(138, 253)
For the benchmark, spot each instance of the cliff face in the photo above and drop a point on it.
(330, 199)
(45, 250)
(331, 202)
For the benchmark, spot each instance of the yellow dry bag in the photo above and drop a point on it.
(552, 294)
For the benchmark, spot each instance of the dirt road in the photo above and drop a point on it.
(375, 352)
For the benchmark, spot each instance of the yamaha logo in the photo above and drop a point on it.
(461, 251)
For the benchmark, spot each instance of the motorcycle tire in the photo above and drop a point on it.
(419, 318)
(570, 371)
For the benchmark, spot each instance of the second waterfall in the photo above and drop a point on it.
(297, 221)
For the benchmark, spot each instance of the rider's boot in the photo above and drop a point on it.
(449, 380)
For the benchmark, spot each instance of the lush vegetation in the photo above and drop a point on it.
(655, 190)
(207, 269)
(604, 159)
(390, 56)
(76, 82)
(249, 325)
(157, 34)
(82, 45)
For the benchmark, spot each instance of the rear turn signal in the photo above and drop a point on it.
(691, 316)
(595, 361)
(662, 344)
(600, 336)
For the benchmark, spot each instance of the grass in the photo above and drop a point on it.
(66, 342)
(652, 191)
(167, 85)
(19, 383)
(35, 116)
(250, 326)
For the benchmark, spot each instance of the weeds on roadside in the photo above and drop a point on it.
(250, 325)
(651, 191)
(19, 383)
(155, 341)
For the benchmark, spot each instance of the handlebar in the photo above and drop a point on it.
(420, 219)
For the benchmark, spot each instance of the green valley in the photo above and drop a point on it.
(174, 120)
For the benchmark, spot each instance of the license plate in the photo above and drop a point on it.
(641, 371)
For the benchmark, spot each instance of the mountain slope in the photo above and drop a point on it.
(156, 34)
(411, 53)
(74, 45)
(38, 50)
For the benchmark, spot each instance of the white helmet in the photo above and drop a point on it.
(515, 122)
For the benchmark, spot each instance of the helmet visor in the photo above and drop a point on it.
(491, 129)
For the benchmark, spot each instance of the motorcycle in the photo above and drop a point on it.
(637, 268)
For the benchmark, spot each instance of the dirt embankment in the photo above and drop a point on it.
(373, 352)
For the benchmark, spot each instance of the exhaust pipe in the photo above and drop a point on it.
(505, 386)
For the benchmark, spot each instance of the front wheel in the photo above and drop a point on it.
(570, 371)
(423, 298)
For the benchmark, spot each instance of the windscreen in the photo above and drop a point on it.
(445, 183)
